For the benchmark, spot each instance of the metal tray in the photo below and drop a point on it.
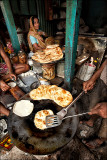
(52, 61)
(28, 79)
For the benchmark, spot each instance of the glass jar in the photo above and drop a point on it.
(22, 57)
(14, 58)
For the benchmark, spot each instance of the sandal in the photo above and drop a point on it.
(94, 143)
(87, 123)
(90, 122)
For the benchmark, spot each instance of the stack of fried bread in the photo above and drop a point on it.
(51, 53)
(52, 92)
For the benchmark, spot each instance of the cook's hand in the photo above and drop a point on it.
(100, 109)
(88, 85)
(3, 86)
(12, 76)
(42, 33)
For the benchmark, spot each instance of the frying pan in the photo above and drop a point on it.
(30, 139)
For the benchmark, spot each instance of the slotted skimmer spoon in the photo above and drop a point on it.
(56, 120)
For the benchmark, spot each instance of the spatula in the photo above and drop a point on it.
(56, 120)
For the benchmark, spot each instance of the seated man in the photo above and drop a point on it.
(18, 69)
(100, 108)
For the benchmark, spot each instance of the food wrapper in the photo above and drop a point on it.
(6, 143)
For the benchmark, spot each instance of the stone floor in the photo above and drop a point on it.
(74, 150)
(15, 154)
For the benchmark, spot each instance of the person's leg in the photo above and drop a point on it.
(102, 136)
(95, 143)
(91, 121)
(103, 129)
(3, 110)
(21, 68)
(98, 94)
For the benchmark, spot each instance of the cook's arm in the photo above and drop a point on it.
(100, 109)
(8, 63)
(43, 33)
(36, 47)
(88, 85)
(98, 73)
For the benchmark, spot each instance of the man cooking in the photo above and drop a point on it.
(100, 108)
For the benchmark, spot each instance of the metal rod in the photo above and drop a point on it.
(76, 115)
(74, 100)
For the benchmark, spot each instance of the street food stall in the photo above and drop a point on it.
(52, 84)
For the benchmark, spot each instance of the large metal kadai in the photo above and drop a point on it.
(30, 139)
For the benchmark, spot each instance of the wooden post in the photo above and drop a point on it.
(72, 28)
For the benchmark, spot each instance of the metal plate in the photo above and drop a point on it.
(30, 139)
(28, 79)
(53, 61)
